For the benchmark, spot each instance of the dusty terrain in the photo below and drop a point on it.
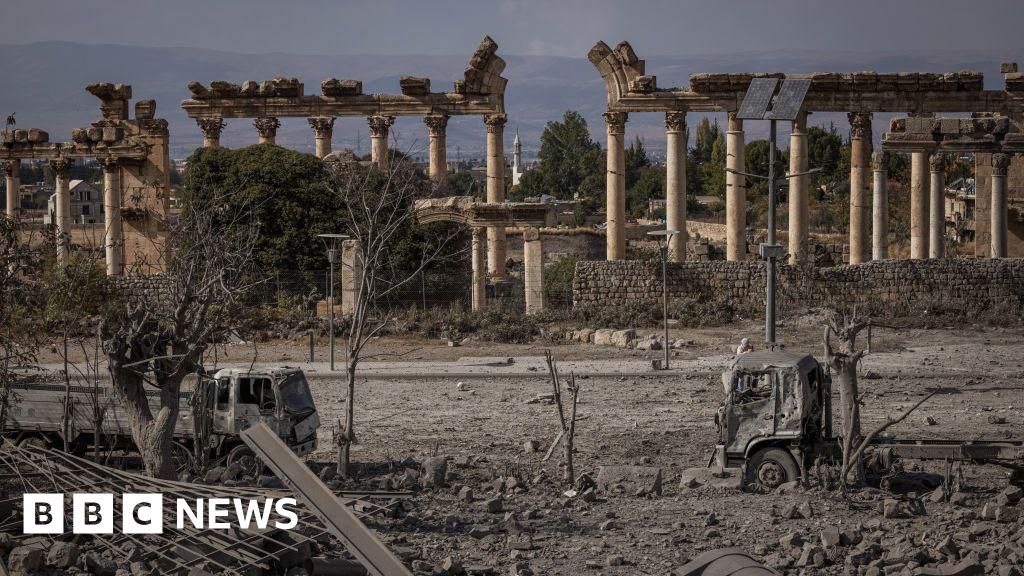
(668, 422)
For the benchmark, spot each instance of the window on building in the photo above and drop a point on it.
(85, 209)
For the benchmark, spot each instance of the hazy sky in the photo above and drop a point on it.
(557, 27)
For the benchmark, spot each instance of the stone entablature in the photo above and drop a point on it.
(468, 210)
(480, 91)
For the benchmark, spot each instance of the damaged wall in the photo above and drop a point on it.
(887, 288)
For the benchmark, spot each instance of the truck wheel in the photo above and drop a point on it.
(771, 468)
(246, 460)
(182, 457)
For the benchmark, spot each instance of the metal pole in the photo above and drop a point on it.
(769, 316)
(664, 293)
(330, 311)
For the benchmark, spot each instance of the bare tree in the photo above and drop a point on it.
(566, 418)
(843, 363)
(377, 214)
(160, 334)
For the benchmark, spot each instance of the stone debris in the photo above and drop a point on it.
(634, 480)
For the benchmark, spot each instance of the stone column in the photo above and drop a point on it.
(267, 129)
(12, 171)
(615, 195)
(880, 207)
(437, 125)
(919, 205)
(735, 192)
(860, 153)
(113, 238)
(211, 128)
(379, 128)
(1000, 165)
(479, 292)
(496, 192)
(533, 270)
(937, 208)
(351, 274)
(323, 130)
(675, 183)
(62, 208)
(798, 186)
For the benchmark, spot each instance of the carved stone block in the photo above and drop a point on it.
(334, 87)
(145, 109)
(414, 86)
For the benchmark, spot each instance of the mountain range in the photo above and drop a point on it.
(44, 84)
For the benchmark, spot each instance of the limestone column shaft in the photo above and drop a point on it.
(380, 126)
(533, 270)
(113, 238)
(919, 205)
(62, 208)
(437, 125)
(615, 195)
(12, 172)
(211, 128)
(267, 127)
(323, 131)
(675, 183)
(735, 192)
(880, 207)
(351, 274)
(496, 192)
(798, 186)
(1000, 166)
(860, 153)
(937, 208)
(479, 257)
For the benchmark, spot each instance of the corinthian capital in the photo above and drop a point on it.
(109, 164)
(267, 127)
(11, 167)
(937, 162)
(211, 127)
(675, 121)
(436, 124)
(616, 122)
(323, 126)
(61, 166)
(860, 124)
(379, 125)
(495, 122)
(880, 159)
(1001, 163)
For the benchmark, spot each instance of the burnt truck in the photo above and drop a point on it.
(233, 398)
(776, 421)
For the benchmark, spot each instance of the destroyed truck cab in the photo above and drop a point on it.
(775, 416)
(279, 397)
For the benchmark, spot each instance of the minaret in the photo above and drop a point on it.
(517, 159)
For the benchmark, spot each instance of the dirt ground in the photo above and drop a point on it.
(668, 423)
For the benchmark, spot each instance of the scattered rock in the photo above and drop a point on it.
(531, 446)
(466, 494)
(830, 537)
(608, 525)
(62, 555)
(634, 479)
(494, 505)
(24, 560)
(435, 470)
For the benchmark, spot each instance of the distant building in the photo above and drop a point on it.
(960, 196)
(517, 159)
(86, 204)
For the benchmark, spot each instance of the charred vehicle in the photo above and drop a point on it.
(776, 420)
(232, 400)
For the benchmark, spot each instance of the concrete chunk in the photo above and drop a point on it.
(634, 479)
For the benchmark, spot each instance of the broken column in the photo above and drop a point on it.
(211, 128)
(798, 186)
(113, 238)
(937, 208)
(12, 171)
(533, 270)
(380, 126)
(860, 150)
(735, 192)
(919, 204)
(880, 207)
(496, 192)
(267, 129)
(351, 275)
(675, 184)
(437, 125)
(323, 131)
(62, 208)
(615, 194)
(479, 258)
(1000, 165)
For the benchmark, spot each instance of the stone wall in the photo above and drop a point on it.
(886, 288)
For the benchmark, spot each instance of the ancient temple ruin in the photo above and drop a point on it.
(631, 89)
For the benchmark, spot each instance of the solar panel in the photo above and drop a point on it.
(791, 97)
(758, 96)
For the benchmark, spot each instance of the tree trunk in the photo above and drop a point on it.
(845, 376)
(348, 436)
(153, 436)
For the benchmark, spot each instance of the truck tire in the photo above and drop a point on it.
(246, 459)
(182, 456)
(772, 467)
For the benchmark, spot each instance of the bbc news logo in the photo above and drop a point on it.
(144, 513)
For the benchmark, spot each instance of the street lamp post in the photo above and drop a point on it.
(664, 238)
(331, 241)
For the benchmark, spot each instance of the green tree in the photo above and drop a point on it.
(568, 155)
(650, 184)
(825, 151)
